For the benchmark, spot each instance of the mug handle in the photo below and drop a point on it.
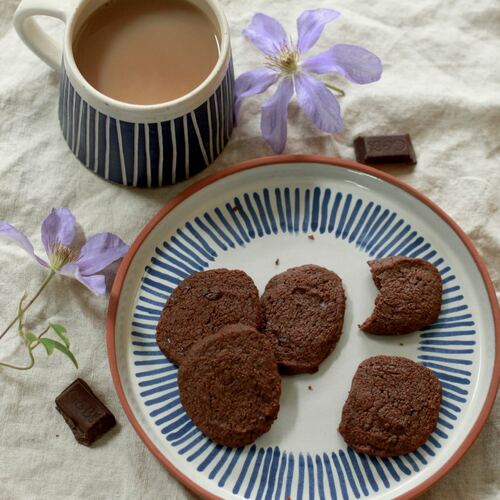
(30, 32)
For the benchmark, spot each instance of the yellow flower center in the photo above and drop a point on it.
(62, 255)
(286, 61)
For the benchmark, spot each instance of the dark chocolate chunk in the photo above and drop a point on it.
(85, 414)
(385, 150)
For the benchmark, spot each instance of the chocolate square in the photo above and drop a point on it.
(385, 150)
(84, 413)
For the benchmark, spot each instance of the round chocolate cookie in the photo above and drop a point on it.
(392, 408)
(303, 314)
(230, 386)
(202, 304)
(409, 295)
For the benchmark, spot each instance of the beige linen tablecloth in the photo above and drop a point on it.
(441, 84)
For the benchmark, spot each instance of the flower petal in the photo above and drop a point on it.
(9, 231)
(251, 83)
(311, 24)
(274, 116)
(266, 33)
(58, 228)
(318, 103)
(96, 283)
(99, 252)
(355, 63)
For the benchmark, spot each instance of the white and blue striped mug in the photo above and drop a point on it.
(134, 145)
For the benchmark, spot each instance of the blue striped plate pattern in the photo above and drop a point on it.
(333, 217)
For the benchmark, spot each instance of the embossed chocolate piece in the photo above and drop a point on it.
(84, 413)
(385, 150)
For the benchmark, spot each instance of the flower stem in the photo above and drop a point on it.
(340, 92)
(28, 305)
(20, 316)
(37, 343)
(32, 362)
(30, 352)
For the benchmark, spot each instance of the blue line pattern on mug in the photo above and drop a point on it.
(147, 154)
(446, 347)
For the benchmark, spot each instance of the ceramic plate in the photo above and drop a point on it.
(303, 210)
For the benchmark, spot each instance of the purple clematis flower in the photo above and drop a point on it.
(285, 63)
(58, 234)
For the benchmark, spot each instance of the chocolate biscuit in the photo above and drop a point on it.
(230, 386)
(409, 295)
(303, 314)
(202, 304)
(392, 407)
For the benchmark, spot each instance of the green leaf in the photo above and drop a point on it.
(49, 345)
(30, 337)
(57, 328)
(60, 331)
(65, 350)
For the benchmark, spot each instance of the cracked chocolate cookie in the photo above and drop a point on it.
(409, 295)
(392, 407)
(230, 386)
(303, 314)
(202, 304)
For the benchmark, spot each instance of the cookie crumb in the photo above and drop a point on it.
(310, 387)
(57, 435)
(277, 262)
(310, 236)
